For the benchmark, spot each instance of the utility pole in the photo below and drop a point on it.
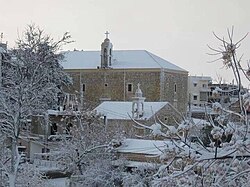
(189, 107)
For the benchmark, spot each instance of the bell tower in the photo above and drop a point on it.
(106, 52)
(138, 103)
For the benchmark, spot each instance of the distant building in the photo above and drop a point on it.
(230, 90)
(198, 89)
(227, 95)
(114, 74)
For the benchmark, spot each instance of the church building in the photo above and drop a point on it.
(113, 75)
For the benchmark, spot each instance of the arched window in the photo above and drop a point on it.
(129, 87)
(83, 87)
(110, 55)
(105, 53)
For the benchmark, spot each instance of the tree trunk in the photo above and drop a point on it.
(12, 180)
(13, 172)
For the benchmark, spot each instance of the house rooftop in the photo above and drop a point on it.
(122, 109)
(207, 78)
(122, 59)
(141, 146)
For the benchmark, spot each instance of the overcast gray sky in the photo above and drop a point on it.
(176, 30)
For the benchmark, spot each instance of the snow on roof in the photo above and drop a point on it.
(121, 109)
(150, 147)
(57, 182)
(199, 78)
(64, 112)
(53, 112)
(199, 109)
(198, 121)
(136, 164)
(122, 59)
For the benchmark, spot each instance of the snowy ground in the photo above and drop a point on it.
(59, 182)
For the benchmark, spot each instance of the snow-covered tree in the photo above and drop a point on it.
(139, 177)
(29, 175)
(32, 78)
(87, 154)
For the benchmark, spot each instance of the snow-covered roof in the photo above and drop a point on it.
(195, 79)
(150, 147)
(198, 121)
(136, 164)
(122, 59)
(121, 109)
(199, 109)
(64, 112)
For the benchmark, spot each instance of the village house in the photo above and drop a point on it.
(112, 75)
(42, 132)
(198, 90)
(58, 121)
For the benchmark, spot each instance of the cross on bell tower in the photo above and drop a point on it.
(107, 34)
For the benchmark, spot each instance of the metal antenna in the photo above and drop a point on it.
(1, 37)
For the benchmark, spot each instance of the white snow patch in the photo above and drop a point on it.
(150, 147)
(62, 182)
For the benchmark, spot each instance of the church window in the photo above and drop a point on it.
(175, 88)
(105, 55)
(130, 87)
(83, 87)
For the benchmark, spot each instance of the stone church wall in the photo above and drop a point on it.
(110, 84)
(175, 90)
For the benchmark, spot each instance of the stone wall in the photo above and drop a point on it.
(175, 89)
(112, 84)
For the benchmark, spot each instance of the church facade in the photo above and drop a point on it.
(113, 75)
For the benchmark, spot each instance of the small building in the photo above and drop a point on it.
(198, 90)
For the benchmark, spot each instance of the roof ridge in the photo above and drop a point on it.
(153, 58)
(82, 50)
